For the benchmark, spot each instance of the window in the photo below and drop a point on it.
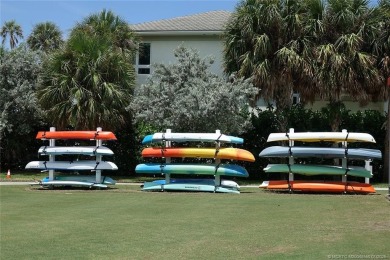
(296, 98)
(144, 58)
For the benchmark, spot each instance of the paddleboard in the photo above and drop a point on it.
(306, 169)
(197, 169)
(71, 166)
(323, 152)
(82, 135)
(321, 136)
(222, 153)
(319, 186)
(71, 183)
(81, 178)
(191, 137)
(225, 183)
(84, 150)
(264, 184)
(190, 185)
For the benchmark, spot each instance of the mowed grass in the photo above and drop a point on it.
(126, 223)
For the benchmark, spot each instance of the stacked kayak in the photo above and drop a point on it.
(72, 168)
(342, 152)
(223, 162)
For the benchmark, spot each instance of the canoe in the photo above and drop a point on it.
(319, 186)
(71, 166)
(82, 135)
(196, 169)
(191, 137)
(311, 169)
(81, 178)
(322, 152)
(321, 136)
(222, 153)
(84, 150)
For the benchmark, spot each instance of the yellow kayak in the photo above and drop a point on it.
(221, 153)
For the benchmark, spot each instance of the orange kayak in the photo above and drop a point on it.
(222, 153)
(84, 135)
(319, 186)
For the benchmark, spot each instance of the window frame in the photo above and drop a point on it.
(143, 67)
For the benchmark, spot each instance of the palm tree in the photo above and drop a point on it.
(45, 36)
(13, 31)
(107, 23)
(88, 83)
(265, 40)
(342, 61)
(381, 49)
(314, 47)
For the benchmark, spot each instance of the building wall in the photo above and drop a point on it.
(162, 48)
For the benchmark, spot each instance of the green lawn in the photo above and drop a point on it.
(126, 223)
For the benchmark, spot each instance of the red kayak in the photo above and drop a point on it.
(319, 186)
(83, 135)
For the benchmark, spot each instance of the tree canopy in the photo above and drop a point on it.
(265, 40)
(320, 49)
(107, 24)
(13, 31)
(45, 36)
(20, 114)
(89, 82)
(19, 71)
(185, 96)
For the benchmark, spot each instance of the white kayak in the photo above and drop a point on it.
(84, 150)
(71, 166)
(322, 136)
(192, 137)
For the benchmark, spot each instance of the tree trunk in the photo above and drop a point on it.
(283, 98)
(386, 158)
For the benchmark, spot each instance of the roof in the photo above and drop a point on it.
(211, 22)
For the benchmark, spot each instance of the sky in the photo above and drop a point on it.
(66, 13)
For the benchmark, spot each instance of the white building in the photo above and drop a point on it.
(160, 38)
(202, 32)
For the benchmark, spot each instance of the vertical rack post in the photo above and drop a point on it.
(344, 160)
(217, 180)
(290, 158)
(168, 159)
(368, 167)
(98, 158)
(52, 142)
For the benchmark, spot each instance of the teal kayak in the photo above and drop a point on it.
(306, 169)
(192, 169)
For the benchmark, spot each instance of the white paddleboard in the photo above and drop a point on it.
(321, 136)
(264, 184)
(71, 183)
(322, 152)
(81, 178)
(85, 150)
(71, 166)
(230, 183)
(192, 137)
